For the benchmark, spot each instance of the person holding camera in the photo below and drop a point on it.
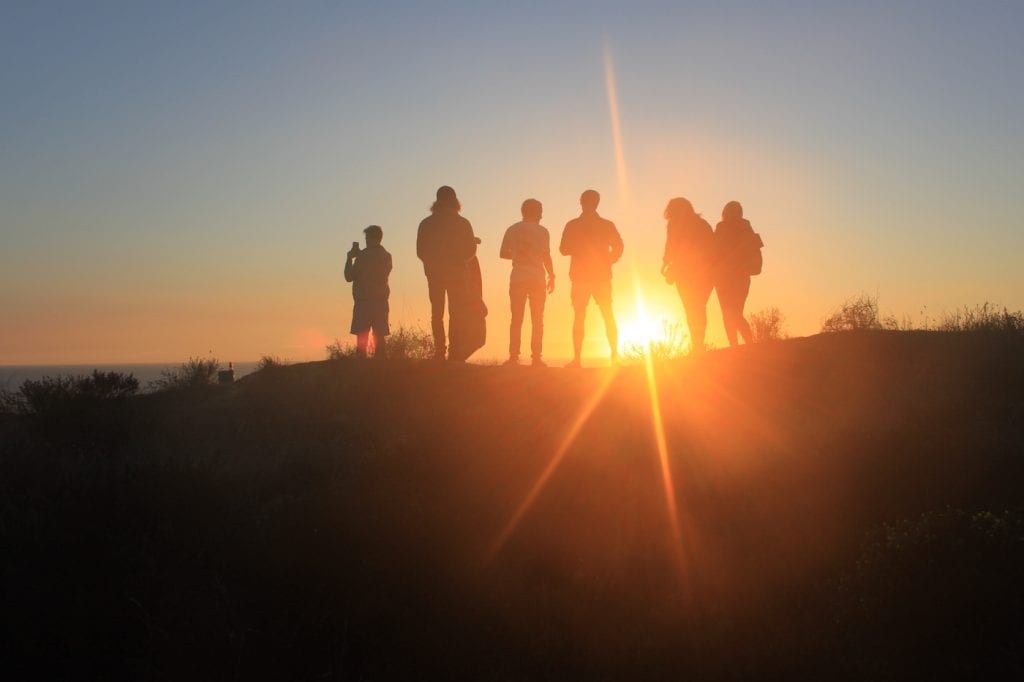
(368, 270)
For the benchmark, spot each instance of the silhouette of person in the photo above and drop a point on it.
(445, 243)
(594, 245)
(735, 240)
(689, 263)
(368, 270)
(528, 245)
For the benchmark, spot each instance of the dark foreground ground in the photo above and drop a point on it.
(849, 506)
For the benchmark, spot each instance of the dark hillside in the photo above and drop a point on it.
(846, 506)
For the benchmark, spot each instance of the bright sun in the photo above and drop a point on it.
(641, 330)
(642, 327)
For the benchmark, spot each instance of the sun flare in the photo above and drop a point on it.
(641, 330)
(645, 326)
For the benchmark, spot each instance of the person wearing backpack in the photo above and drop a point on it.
(739, 256)
(688, 263)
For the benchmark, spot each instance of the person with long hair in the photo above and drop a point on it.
(735, 242)
(445, 243)
(688, 263)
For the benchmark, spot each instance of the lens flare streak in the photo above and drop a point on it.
(613, 112)
(556, 459)
(661, 443)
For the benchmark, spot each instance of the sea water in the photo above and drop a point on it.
(11, 376)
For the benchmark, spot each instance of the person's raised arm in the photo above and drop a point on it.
(351, 267)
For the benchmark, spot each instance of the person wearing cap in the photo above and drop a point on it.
(445, 243)
(528, 245)
(368, 270)
(594, 245)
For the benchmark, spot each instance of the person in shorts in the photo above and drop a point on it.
(368, 270)
(594, 245)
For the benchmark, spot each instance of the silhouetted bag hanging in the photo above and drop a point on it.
(468, 325)
(754, 260)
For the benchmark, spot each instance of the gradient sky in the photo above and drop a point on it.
(178, 179)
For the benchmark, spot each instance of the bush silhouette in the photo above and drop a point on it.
(270, 362)
(858, 312)
(983, 318)
(64, 393)
(196, 373)
(674, 343)
(768, 325)
(404, 343)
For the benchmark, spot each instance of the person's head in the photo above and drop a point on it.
(679, 209)
(446, 200)
(589, 200)
(732, 211)
(531, 210)
(374, 235)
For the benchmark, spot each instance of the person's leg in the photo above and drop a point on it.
(437, 289)
(580, 296)
(725, 303)
(537, 297)
(379, 346)
(578, 322)
(696, 314)
(517, 297)
(741, 322)
(603, 295)
(380, 328)
(362, 340)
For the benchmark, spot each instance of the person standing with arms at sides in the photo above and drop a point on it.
(594, 245)
(368, 270)
(738, 248)
(688, 263)
(444, 242)
(528, 245)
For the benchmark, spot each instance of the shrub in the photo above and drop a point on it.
(858, 312)
(768, 325)
(337, 350)
(52, 395)
(405, 343)
(409, 343)
(196, 373)
(983, 318)
(270, 362)
(674, 343)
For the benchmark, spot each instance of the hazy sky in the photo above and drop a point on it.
(178, 179)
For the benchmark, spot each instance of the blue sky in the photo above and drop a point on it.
(184, 178)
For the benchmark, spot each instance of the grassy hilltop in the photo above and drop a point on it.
(846, 506)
